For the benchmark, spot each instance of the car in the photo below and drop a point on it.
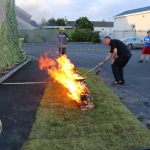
(132, 43)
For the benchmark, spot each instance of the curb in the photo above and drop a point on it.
(6, 76)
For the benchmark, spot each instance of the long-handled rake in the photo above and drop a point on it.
(97, 72)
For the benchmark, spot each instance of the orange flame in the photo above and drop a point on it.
(62, 71)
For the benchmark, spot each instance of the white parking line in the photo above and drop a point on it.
(0, 126)
(23, 83)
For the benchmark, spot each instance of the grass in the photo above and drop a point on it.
(60, 125)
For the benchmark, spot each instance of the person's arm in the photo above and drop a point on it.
(114, 55)
(109, 56)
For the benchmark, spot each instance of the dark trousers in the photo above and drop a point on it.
(62, 51)
(117, 67)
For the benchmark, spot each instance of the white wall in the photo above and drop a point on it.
(140, 20)
(104, 31)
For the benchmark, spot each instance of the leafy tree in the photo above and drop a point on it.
(52, 22)
(61, 22)
(84, 23)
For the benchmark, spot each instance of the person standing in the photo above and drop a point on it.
(62, 41)
(146, 48)
(120, 56)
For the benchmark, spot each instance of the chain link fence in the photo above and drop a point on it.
(127, 34)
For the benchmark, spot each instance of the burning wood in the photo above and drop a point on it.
(86, 97)
(64, 72)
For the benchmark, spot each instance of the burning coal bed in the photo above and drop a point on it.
(64, 72)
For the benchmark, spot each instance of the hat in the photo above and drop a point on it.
(61, 29)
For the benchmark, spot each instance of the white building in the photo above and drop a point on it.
(105, 28)
(132, 22)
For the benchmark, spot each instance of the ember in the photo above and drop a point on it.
(64, 72)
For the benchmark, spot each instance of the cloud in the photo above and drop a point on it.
(73, 9)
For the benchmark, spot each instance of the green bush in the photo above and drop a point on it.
(69, 32)
(85, 35)
(95, 37)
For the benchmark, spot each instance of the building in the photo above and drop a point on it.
(57, 27)
(103, 27)
(24, 20)
(132, 22)
(23, 17)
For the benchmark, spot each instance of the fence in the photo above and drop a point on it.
(126, 34)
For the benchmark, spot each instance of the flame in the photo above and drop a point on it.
(62, 71)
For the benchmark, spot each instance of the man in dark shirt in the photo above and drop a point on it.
(120, 56)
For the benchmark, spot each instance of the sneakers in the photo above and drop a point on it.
(140, 61)
(118, 83)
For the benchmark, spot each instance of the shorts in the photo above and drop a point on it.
(146, 50)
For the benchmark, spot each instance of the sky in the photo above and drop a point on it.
(95, 10)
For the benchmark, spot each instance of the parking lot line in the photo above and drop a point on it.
(23, 83)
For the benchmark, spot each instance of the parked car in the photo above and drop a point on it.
(133, 42)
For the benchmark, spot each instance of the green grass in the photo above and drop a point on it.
(60, 125)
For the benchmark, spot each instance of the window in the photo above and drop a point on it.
(133, 26)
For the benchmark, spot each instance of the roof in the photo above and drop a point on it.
(34, 24)
(95, 23)
(102, 24)
(133, 11)
(71, 23)
(20, 10)
(57, 27)
(23, 25)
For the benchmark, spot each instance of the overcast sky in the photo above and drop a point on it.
(73, 9)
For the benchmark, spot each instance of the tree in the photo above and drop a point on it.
(61, 22)
(52, 22)
(84, 23)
